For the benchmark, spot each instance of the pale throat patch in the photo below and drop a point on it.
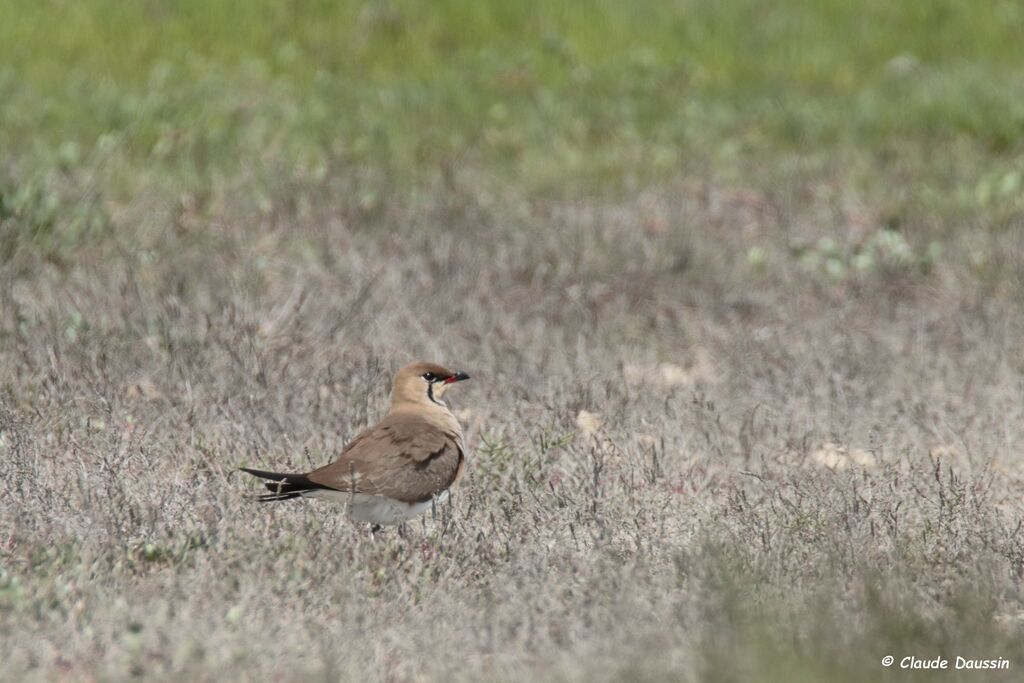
(435, 390)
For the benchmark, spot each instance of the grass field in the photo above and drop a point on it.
(739, 286)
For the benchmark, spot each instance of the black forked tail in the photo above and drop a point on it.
(283, 486)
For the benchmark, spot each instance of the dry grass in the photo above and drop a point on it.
(777, 475)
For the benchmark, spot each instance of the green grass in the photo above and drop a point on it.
(548, 98)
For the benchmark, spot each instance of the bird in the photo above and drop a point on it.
(397, 469)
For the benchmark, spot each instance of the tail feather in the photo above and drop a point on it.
(283, 486)
(270, 497)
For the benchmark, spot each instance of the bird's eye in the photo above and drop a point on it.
(429, 376)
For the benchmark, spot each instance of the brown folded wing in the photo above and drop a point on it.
(403, 458)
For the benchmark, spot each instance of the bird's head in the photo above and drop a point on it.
(424, 383)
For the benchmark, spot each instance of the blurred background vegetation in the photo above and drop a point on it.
(915, 106)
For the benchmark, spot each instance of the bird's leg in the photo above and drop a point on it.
(401, 530)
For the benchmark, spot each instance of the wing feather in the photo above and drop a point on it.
(403, 458)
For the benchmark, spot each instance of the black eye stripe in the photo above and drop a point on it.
(430, 377)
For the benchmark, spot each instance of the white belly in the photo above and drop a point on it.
(376, 509)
